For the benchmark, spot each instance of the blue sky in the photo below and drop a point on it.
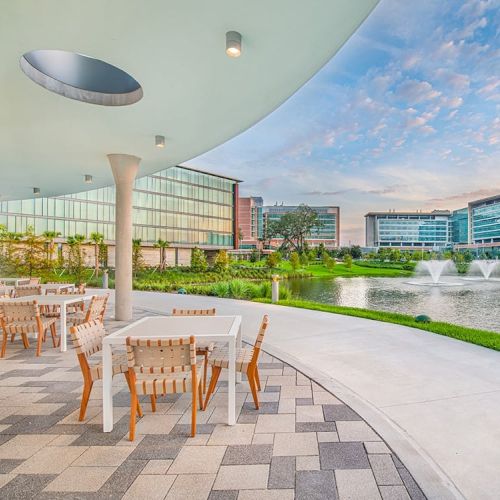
(405, 116)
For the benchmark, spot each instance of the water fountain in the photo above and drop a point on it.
(435, 268)
(485, 267)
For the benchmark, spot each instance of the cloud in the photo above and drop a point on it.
(415, 92)
(468, 196)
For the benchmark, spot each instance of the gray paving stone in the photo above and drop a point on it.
(339, 412)
(397, 462)
(123, 477)
(185, 429)
(315, 427)
(26, 486)
(33, 424)
(412, 487)
(394, 493)
(343, 456)
(272, 388)
(384, 470)
(7, 465)
(282, 473)
(250, 454)
(60, 397)
(247, 418)
(264, 407)
(13, 419)
(304, 401)
(223, 495)
(5, 437)
(157, 446)
(315, 485)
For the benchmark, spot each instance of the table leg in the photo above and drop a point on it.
(238, 346)
(64, 341)
(231, 383)
(107, 388)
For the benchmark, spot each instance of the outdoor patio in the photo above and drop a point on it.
(302, 443)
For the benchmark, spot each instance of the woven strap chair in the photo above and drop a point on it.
(95, 311)
(24, 318)
(246, 362)
(87, 341)
(26, 290)
(163, 366)
(202, 348)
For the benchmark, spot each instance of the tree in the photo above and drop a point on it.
(348, 260)
(254, 255)
(76, 256)
(222, 261)
(273, 259)
(304, 259)
(97, 239)
(356, 252)
(328, 262)
(137, 258)
(294, 228)
(33, 251)
(50, 236)
(162, 245)
(294, 260)
(240, 235)
(198, 260)
(321, 250)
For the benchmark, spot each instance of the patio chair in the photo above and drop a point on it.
(87, 341)
(24, 318)
(246, 362)
(163, 366)
(202, 348)
(34, 281)
(95, 311)
(27, 290)
(55, 311)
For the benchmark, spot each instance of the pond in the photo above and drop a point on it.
(473, 303)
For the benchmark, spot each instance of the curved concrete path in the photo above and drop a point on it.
(435, 400)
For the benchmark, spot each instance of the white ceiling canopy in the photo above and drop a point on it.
(193, 93)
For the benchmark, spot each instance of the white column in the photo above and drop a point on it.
(124, 169)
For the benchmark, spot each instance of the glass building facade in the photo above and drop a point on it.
(408, 230)
(181, 205)
(328, 231)
(485, 220)
(459, 221)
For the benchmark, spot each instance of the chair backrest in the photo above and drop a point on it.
(193, 312)
(19, 311)
(81, 287)
(87, 339)
(97, 308)
(25, 290)
(161, 355)
(34, 281)
(260, 338)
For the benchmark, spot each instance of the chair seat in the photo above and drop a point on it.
(30, 326)
(77, 318)
(166, 383)
(120, 365)
(220, 357)
(203, 347)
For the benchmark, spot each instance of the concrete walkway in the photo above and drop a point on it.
(436, 401)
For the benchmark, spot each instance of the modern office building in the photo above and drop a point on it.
(251, 222)
(459, 221)
(408, 230)
(182, 205)
(327, 233)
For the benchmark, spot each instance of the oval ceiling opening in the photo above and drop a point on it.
(81, 77)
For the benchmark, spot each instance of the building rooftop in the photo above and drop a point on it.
(404, 212)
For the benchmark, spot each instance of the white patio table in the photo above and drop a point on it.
(15, 281)
(224, 329)
(61, 300)
(47, 288)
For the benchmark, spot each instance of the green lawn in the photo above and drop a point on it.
(341, 271)
(483, 338)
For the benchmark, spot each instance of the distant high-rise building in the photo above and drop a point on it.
(251, 222)
(408, 230)
(460, 226)
(327, 233)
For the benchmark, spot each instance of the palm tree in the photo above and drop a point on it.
(76, 260)
(137, 260)
(50, 236)
(162, 245)
(96, 239)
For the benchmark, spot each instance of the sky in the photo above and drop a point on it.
(405, 116)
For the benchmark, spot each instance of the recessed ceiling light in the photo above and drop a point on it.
(36, 191)
(88, 179)
(159, 141)
(81, 77)
(233, 44)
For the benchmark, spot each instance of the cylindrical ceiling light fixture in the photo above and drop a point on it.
(36, 191)
(233, 44)
(159, 141)
(88, 179)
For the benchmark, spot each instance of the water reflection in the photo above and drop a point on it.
(475, 304)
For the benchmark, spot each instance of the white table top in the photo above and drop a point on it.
(45, 286)
(13, 280)
(50, 300)
(215, 327)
